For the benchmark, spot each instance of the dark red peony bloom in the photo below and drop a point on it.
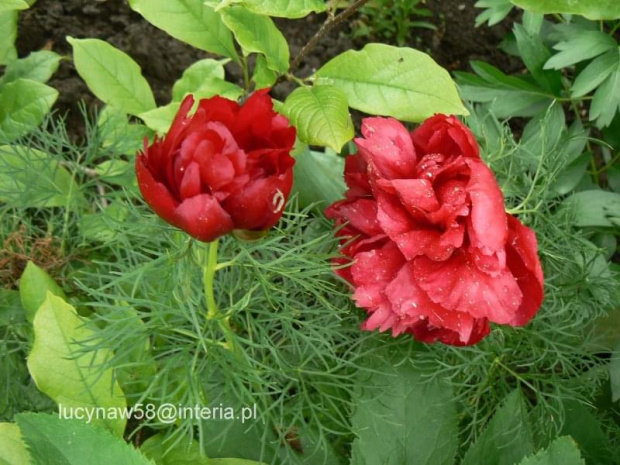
(226, 167)
(433, 251)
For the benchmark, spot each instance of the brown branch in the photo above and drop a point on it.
(330, 24)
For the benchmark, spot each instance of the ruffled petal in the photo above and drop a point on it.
(425, 332)
(458, 284)
(488, 230)
(411, 304)
(387, 147)
(524, 264)
(446, 135)
(361, 214)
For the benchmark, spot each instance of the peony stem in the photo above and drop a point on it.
(212, 311)
(209, 277)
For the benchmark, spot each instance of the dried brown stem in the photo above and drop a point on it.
(330, 24)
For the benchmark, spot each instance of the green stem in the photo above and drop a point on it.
(209, 277)
(246, 74)
(213, 312)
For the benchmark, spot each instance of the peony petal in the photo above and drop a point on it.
(381, 318)
(523, 263)
(203, 218)
(458, 284)
(156, 195)
(216, 170)
(416, 194)
(488, 230)
(435, 245)
(392, 216)
(446, 135)
(387, 146)
(260, 204)
(190, 184)
(411, 304)
(425, 332)
(377, 266)
(356, 177)
(362, 215)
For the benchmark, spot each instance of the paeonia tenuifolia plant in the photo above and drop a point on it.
(427, 248)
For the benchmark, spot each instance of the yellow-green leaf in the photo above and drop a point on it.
(321, 116)
(34, 285)
(393, 81)
(62, 369)
(112, 75)
(13, 450)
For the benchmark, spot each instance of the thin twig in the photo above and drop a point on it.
(330, 24)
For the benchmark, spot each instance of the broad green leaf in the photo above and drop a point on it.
(112, 168)
(105, 225)
(11, 311)
(285, 8)
(23, 105)
(578, 160)
(581, 47)
(116, 130)
(614, 374)
(595, 208)
(506, 439)
(38, 66)
(606, 102)
(13, 450)
(216, 86)
(321, 116)
(507, 96)
(63, 370)
(157, 449)
(34, 285)
(533, 22)
(57, 441)
(595, 73)
(562, 451)
(30, 178)
(591, 9)
(113, 76)
(263, 76)
(545, 133)
(495, 11)
(258, 33)
(535, 54)
(402, 418)
(570, 177)
(194, 76)
(581, 424)
(8, 26)
(160, 118)
(6, 5)
(318, 178)
(190, 21)
(400, 82)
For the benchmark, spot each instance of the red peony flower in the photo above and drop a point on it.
(433, 251)
(225, 167)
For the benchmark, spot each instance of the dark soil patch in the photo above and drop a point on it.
(163, 58)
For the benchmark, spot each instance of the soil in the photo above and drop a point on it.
(163, 59)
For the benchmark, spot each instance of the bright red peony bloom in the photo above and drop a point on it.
(433, 251)
(226, 167)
